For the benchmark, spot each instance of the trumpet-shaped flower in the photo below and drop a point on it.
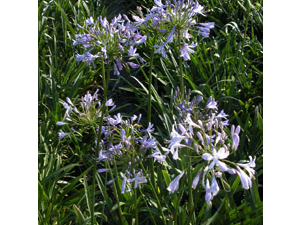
(161, 49)
(133, 65)
(196, 180)
(248, 166)
(186, 49)
(212, 190)
(132, 51)
(211, 103)
(157, 156)
(176, 138)
(138, 179)
(215, 158)
(170, 37)
(245, 179)
(235, 137)
(174, 185)
(61, 123)
(62, 134)
(103, 170)
(148, 143)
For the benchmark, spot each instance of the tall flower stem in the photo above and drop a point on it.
(180, 65)
(150, 80)
(103, 206)
(136, 208)
(103, 79)
(97, 145)
(122, 219)
(106, 85)
(190, 180)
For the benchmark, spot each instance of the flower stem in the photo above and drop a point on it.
(136, 208)
(106, 86)
(190, 180)
(103, 206)
(97, 148)
(93, 194)
(116, 191)
(150, 80)
(180, 66)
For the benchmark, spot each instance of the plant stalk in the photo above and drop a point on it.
(180, 66)
(136, 208)
(97, 147)
(150, 81)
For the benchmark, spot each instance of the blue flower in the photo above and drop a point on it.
(90, 21)
(174, 185)
(215, 158)
(157, 156)
(62, 134)
(61, 123)
(103, 170)
(211, 103)
(186, 49)
(138, 179)
(212, 190)
(235, 137)
(133, 65)
(161, 49)
(170, 37)
(132, 51)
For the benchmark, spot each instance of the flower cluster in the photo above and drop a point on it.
(175, 18)
(114, 42)
(124, 141)
(87, 115)
(203, 131)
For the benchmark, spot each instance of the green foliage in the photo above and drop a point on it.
(228, 66)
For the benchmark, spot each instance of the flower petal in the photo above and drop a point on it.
(207, 157)
(222, 166)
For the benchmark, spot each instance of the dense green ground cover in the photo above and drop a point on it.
(227, 66)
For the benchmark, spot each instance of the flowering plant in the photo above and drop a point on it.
(202, 134)
(114, 42)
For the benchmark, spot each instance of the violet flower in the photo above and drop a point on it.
(215, 158)
(174, 185)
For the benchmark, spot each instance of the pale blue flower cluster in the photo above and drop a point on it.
(122, 139)
(203, 131)
(113, 41)
(176, 18)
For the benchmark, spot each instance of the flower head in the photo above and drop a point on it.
(215, 158)
(138, 179)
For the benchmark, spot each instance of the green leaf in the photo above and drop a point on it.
(79, 216)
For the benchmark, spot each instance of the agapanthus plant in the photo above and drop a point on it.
(202, 136)
(174, 22)
(122, 146)
(113, 43)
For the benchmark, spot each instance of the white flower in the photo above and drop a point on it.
(174, 185)
(212, 190)
(221, 154)
(157, 156)
(175, 143)
(248, 166)
(245, 179)
(186, 49)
